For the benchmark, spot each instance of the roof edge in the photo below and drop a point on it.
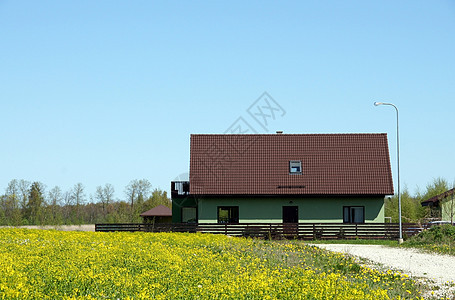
(288, 134)
(287, 195)
(440, 197)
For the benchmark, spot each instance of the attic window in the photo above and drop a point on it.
(295, 167)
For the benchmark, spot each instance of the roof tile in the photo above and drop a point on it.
(158, 211)
(350, 164)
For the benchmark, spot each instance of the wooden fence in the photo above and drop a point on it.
(305, 231)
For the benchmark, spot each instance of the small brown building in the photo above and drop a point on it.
(442, 206)
(158, 214)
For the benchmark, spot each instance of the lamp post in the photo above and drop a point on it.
(400, 240)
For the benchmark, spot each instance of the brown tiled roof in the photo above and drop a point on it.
(439, 197)
(158, 211)
(258, 164)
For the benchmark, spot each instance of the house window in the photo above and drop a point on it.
(353, 214)
(228, 214)
(295, 167)
(189, 215)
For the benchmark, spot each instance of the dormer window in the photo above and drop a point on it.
(295, 167)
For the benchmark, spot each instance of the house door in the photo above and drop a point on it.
(290, 214)
(290, 221)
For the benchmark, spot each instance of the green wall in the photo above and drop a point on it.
(448, 209)
(178, 203)
(312, 210)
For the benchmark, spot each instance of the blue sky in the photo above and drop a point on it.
(109, 91)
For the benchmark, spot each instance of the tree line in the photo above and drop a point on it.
(411, 209)
(30, 203)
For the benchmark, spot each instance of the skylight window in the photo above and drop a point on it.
(295, 167)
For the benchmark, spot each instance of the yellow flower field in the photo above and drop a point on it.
(39, 264)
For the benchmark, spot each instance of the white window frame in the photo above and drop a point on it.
(293, 165)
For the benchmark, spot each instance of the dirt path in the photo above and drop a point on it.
(90, 227)
(439, 269)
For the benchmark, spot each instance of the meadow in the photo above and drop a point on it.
(49, 264)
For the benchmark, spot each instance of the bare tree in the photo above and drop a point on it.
(55, 196)
(136, 191)
(78, 196)
(12, 192)
(99, 195)
(78, 193)
(68, 203)
(55, 203)
(131, 192)
(105, 195)
(24, 187)
(108, 193)
(67, 198)
(144, 187)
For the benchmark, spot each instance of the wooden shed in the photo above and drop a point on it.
(158, 214)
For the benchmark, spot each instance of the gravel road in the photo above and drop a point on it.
(415, 263)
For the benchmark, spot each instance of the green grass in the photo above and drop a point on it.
(439, 239)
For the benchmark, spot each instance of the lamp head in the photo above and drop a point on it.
(378, 103)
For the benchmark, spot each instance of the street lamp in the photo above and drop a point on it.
(398, 165)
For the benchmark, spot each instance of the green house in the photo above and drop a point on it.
(289, 178)
(442, 206)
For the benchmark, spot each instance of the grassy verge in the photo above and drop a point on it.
(439, 239)
(39, 264)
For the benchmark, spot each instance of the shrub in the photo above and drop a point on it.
(438, 238)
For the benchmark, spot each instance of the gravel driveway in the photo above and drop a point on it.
(438, 268)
